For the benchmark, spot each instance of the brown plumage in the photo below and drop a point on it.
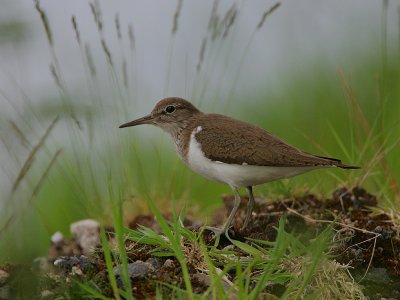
(232, 141)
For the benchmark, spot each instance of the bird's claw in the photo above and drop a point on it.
(217, 231)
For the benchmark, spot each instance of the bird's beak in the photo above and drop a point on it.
(144, 120)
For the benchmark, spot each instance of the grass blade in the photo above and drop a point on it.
(109, 264)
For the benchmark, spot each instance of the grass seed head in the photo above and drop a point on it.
(131, 37)
(267, 13)
(176, 16)
(118, 26)
(90, 61)
(331, 280)
(45, 22)
(75, 27)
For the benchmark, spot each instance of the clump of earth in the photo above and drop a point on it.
(367, 244)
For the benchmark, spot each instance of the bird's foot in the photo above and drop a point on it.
(245, 223)
(217, 231)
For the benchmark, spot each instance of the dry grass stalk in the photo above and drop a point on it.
(118, 26)
(394, 217)
(107, 52)
(344, 226)
(19, 133)
(55, 76)
(75, 27)
(267, 13)
(96, 12)
(379, 157)
(202, 52)
(31, 157)
(218, 27)
(45, 22)
(313, 221)
(90, 61)
(215, 28)
(176, 16)
(46, 173)
(356, 108)
(378, 145)
(131, 37)
(229, 19)
(212, 21)
(194, 256)
(125, 73)
(7, 223)
(331, 280)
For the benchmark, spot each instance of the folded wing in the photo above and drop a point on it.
(237, 142)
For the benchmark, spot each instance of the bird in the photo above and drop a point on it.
(230, 151)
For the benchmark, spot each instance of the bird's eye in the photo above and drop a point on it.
(170, 109)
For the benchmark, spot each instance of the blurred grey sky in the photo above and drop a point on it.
(296, 34)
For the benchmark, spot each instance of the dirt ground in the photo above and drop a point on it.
(366, 239)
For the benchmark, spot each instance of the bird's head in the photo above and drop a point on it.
(170, 114)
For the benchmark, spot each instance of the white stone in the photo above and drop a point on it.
(57, 237)
(86, 233)
(169, 263)
(76, 270)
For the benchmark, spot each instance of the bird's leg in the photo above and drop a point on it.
(228, 223)
(250, 206)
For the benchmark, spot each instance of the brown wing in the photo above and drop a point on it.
(237, 142)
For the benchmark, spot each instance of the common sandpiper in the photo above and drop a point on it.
(230, 151)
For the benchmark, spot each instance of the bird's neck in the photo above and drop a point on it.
(177, 129)
(181, 134)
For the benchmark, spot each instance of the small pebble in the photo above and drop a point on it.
(270, 207)
(136, 269)
(68, 263)
(154, 262)
(57, 238)
(76, 270)
(169, 263)
(378, 229)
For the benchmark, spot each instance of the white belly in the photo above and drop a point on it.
(237, 175)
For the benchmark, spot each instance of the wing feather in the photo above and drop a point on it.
(232, 141)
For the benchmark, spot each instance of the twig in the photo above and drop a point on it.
(312, 220)
(376, 235)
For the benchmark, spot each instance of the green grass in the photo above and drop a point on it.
(253, 266)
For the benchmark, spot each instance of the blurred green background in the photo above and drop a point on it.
(324, 77)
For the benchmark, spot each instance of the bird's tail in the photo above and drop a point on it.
(342, 166)
(338, 163)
